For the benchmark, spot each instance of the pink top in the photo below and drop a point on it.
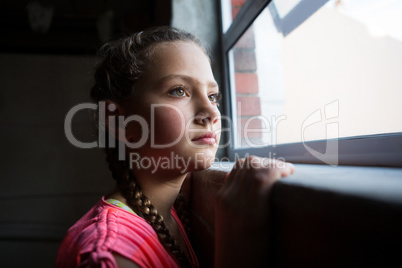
(107, 229)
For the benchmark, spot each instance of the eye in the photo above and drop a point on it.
(179, 91)
(216, 97)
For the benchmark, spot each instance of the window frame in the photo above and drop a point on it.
(367, 150)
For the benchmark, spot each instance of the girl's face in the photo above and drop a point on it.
(177, 96)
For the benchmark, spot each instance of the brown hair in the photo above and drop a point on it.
(123, 64)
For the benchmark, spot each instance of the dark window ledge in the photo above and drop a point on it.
(374, 183)
(322, 216)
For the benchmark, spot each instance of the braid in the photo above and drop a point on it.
(183, 211)
(142, 205)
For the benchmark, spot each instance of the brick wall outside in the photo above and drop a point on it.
(246, 82)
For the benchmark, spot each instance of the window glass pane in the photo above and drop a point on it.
(230, 9)
(335, 73)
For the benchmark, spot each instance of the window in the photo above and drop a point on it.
(314, 81)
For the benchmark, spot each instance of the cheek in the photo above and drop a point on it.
(168, 125)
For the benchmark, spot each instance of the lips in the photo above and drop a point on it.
(207, 138)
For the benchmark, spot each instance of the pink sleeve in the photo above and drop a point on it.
(105, 230)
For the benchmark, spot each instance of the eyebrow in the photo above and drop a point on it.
(186, 78)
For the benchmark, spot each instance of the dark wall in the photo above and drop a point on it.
(75, 26)
(46, 182)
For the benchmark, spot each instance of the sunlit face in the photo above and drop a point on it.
(178, 96)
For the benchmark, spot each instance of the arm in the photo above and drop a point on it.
(242, 212)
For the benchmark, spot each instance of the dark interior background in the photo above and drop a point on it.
(75, 26)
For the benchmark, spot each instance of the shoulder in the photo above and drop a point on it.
(107, 230)
(106, 226)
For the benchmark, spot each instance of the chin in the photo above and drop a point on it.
(201, 161)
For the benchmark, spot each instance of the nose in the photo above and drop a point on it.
(204, 119)
(207, 112)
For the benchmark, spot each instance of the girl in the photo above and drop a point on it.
(158, 85)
